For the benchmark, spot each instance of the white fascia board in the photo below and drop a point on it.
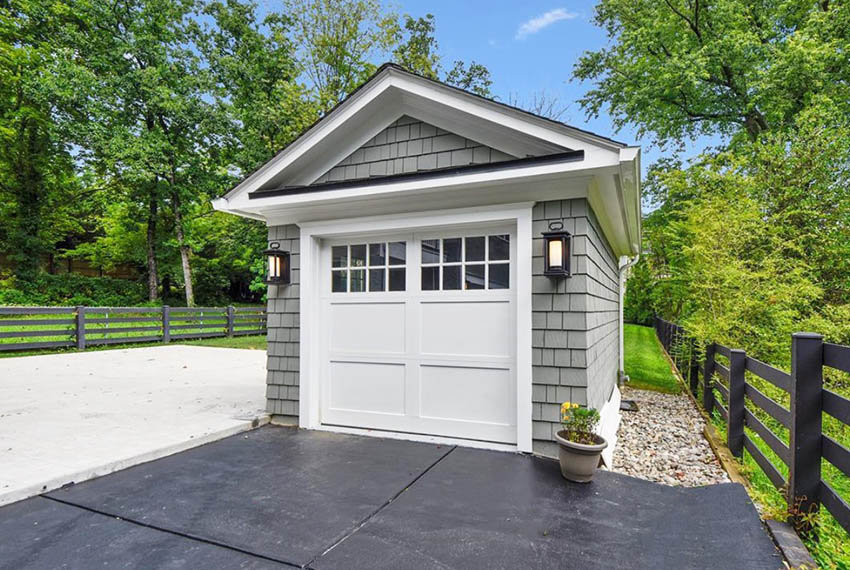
(264, 207)
(537, 127)
(305, 142)
(630, 187)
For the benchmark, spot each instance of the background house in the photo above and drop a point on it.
(413, 213)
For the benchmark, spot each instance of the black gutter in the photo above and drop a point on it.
(435, 174)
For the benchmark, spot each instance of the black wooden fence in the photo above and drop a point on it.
(727, 391)
(30, 328)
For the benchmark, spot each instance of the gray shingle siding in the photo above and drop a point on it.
(284, 333)
(410, 145)
(574, 324)
(575, 341)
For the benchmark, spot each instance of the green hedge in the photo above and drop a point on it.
(69, 289)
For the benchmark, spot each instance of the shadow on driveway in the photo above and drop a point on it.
(278, 498)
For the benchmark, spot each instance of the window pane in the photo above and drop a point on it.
(430, 278)
(475, 276)
(451, 277)
(377, 254)
(377, 280)
(475, 248)
(430, 251)
(339, 255)
(500, 276)
(398, 255)
(358, 255)
(451, 249)
(397, 278)
(339, 281)
(500, 247)
(358, 280)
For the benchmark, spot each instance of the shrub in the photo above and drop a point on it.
(69, 289)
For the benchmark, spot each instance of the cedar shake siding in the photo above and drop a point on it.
(283, 333)
(409, 145)
(574, 321)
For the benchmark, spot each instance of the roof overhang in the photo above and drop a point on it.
(283, 189)
(607, 185)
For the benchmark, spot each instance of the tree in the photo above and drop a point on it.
(157, 131)
(541, 103)
(337, 42)
(419, 51)
(39, 193)
(680, 69)
(256, 80)
(471, 77)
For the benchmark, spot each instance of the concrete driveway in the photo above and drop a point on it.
(73, 416)
(285, 498)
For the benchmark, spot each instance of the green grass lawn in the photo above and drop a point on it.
(257, 342)
(645, 363)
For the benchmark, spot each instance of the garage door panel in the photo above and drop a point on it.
(377, 388)
(468, 328)
(477, 395)
(368, 327)
(435, 356)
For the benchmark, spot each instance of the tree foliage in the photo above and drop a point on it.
(121, 120)
(681, 68)
(751, 240)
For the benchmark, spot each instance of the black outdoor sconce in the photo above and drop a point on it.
(556, 252)
(279, 266)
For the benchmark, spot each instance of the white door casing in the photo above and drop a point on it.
(450, 364)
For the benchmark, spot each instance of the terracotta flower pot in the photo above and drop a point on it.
(579, 460)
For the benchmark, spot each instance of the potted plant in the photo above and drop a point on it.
(579, 447)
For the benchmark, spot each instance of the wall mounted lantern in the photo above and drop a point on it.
(556, 252)
(279, 266)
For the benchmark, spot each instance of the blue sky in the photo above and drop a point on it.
(530, 47)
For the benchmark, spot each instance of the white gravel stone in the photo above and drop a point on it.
(663, 441)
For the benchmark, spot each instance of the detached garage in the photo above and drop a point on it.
(451, 268)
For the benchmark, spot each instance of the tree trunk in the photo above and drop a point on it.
(151, 238)
(184, 250)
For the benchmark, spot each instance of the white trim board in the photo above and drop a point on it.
(311, 236)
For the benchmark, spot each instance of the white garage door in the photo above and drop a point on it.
(419, 333)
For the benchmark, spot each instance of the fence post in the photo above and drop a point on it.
(694, 368)
(166, 323)
(735, 429)
(806, 419)
(81, 328)
(230, 320)
(708, 379)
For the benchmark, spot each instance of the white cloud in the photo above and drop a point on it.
(534, 25)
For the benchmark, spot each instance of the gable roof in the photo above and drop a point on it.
(538, 159)
(391, 69)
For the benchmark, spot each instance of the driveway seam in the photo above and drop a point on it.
(174, 532)
(370, 516)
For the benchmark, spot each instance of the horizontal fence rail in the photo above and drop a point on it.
(752, 414)
(33, 328)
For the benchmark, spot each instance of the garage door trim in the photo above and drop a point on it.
(312, 234)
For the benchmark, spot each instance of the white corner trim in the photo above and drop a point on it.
(609, 423)
(311, 235)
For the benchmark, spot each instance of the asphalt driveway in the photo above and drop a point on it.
(283, 498)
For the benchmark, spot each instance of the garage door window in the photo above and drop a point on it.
(474, 262)
(373, 267)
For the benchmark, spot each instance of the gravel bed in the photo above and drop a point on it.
(663, 441)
